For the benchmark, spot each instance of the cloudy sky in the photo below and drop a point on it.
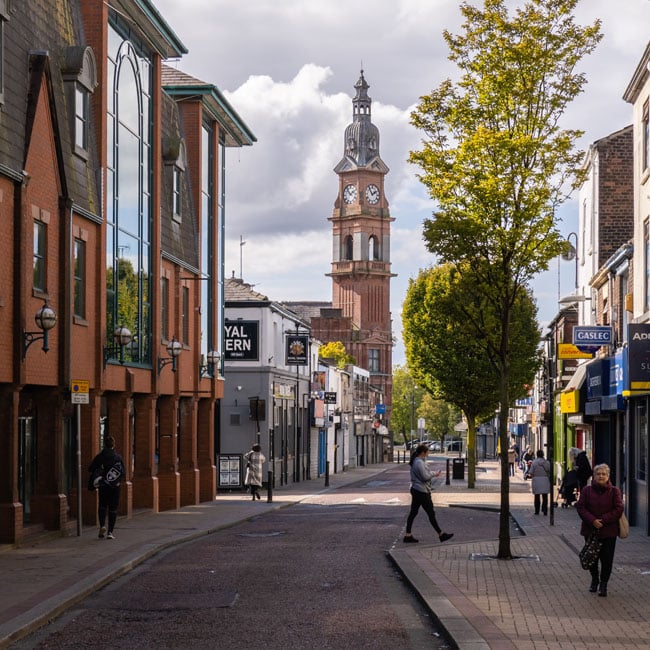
(288, 67)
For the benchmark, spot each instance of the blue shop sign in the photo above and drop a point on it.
(598, 378)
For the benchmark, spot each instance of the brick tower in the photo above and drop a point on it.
(361, 247)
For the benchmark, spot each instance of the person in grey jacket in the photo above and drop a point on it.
(540, 472)
(421, 495)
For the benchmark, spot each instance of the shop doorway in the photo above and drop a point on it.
(27, 463)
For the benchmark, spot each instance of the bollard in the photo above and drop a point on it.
(269, 478)
(447, 475)
(327, 473)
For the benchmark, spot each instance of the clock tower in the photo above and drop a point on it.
(361, 246)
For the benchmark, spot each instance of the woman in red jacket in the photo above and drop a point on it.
(600, 506)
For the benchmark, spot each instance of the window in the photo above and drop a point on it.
(373, 360)
(349, 247)
(373, 248)
(128, 188)
(40, 233)
(207, 241)
(646, 246)
(642, 441)
(79, 278)
(176, 193)
(81, 117)
(164, 308)
(646, 136)
(4, 17)
(185, 316)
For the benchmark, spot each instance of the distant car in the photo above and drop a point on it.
(455, 445)
(434, 445)
(412, 443)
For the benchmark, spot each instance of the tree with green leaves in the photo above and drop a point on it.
(336, 350)
(442, 314)
(498, 163)
(440, 416)
(407, 397)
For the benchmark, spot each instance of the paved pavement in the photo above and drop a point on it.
(539, 600)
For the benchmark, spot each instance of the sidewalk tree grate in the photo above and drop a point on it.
(271, 534)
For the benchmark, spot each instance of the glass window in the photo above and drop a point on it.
(185, 316)
(646, 135)
(2, 57)
(646, 245)
(642, 441)
(128, 218)
(164, 308)
(207, 241)
(79, 278)
(373, 248)
(373, 360)
(40, 232)
(176, 193)
(81, 117)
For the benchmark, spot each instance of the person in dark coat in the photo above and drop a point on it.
(582, 465)
(600, 506)
(108, 468)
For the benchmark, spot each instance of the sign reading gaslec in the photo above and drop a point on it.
(596, 335)
(79, 390)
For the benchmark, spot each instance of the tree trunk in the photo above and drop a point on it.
(471, 451)
(504, 519)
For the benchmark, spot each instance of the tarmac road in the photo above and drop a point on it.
(313, 575)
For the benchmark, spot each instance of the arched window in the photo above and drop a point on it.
(128, 216)
(373, 248)
(348, 248)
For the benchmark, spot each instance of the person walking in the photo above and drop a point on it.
(254, 461)
(527, 460)
(540, 472)
(106, 472)
(600, 506)
(421, 495)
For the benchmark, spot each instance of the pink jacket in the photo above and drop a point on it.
(604, 503)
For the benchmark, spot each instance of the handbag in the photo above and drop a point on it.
(590, 551)
(623, 527)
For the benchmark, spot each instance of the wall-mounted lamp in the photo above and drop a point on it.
(174, 348)
(207, 369)
(45, 319)
(121, 338)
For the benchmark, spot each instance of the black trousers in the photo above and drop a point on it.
(606, 560)
(544, 503)
(421, 500)
(109, 499)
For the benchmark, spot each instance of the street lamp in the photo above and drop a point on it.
(207, 370)
(174, 348)
(550, 370)
(121, 338)
(569, 256)
(45, 319)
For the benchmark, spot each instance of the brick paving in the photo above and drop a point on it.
(539, 601)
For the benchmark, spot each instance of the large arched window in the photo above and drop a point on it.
(348, 248)
(373, 248)
(128, 191)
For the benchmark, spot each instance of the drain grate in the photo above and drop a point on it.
(478, 557)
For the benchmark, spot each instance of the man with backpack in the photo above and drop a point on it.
(106, 472)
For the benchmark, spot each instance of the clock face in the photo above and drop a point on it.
(372, 194)
(349, 193)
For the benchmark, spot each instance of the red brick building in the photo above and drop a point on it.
(111, 212)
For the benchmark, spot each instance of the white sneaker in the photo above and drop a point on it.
(102, 532)
(110, 536)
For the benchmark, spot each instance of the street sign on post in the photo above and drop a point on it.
(79, 390)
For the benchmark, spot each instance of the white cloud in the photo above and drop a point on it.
(289, 67)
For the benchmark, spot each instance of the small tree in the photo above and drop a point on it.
(336, 350)
(498, 163)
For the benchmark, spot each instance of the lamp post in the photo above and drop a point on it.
(121, 338)
(550, 370)
(208, 369)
